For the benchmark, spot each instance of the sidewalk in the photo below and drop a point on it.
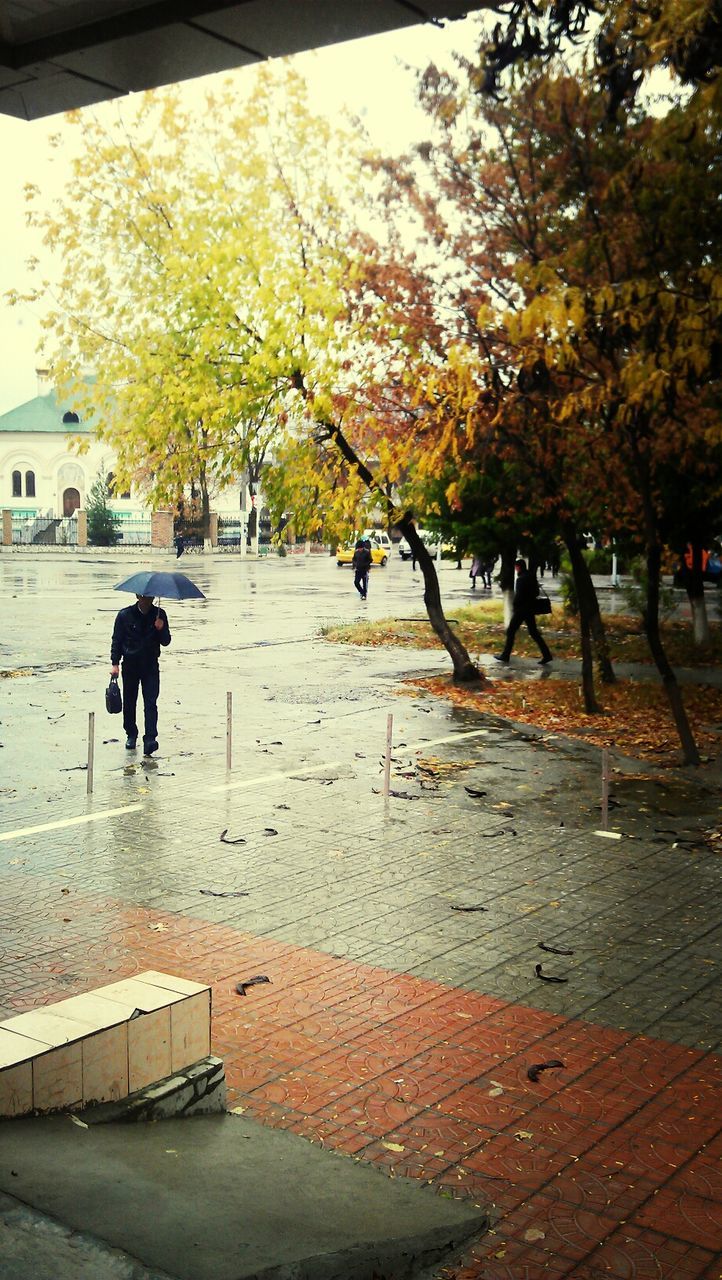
(399, 1030)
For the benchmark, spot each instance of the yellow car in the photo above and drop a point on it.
(344, 555)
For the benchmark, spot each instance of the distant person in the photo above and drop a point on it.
(487, 568)
(474, 571)
(362, 561)
(555, 556)
(138, 634)
(180, 545)
(526, 591)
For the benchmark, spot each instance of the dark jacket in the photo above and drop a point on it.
(362, 560)
(135, 638)
(526, 591)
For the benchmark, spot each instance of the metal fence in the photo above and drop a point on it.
(48, 530)
(230, 531)
(132, 533)
(44, 530)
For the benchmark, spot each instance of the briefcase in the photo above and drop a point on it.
(113, 698)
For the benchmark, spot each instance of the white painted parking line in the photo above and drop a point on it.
(240, 784)
(68, 822)
(450, 737)
(277, 777)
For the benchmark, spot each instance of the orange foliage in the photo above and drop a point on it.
(636, 720)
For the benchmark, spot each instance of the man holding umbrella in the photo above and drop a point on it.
(138, 633)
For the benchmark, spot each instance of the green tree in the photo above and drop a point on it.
(102, 524)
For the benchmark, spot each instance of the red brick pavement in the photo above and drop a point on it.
(609, 1167)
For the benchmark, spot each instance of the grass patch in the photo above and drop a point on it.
(480, 627)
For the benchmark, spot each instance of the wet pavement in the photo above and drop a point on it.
(401, 940)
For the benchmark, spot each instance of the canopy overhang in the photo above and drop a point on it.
(59, 54)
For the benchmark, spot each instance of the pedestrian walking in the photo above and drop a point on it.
(487, 568)
(526, 590)
(474, 571)
(180, 545)
(138, 634)
(362, 561)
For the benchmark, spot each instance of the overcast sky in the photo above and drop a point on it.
(367, 76)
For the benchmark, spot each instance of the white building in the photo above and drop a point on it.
(44, 480)
(42, 476)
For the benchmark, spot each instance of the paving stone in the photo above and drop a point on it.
(383, 1003)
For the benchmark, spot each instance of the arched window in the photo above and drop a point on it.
(29, 484)
(70, 417)
(17, 485)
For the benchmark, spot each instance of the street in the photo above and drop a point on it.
(402, 940)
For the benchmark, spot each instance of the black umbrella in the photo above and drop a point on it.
(171, 586)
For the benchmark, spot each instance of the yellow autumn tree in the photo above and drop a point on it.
(199, 269)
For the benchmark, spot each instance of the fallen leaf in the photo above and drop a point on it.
(555, 951)
(495, 1093)
(160, 927)
(237, 1111)
(537, 1067)
(393, 1146)
(521, 1135)
(543, 977)
(80, 1123)
(534, 1234)
(251, 982)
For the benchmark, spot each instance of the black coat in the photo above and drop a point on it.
(526, 590)
(135, 638)
(362, 560)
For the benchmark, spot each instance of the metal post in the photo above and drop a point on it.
(229, 728)
(605, 789)
(387, 757)
(615, 575)
(91, 752)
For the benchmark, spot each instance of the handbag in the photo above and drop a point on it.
(113, 698)
(542, 604)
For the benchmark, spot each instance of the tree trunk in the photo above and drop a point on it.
(589, 605)
(465, 672)
(700, 621)
(205, 510)
(506, 579)
(669, 680)
(579, 565)
(694, 586)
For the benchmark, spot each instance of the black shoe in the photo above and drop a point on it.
(499, 657)
(149, 746)
(131, 743)
(543, 661)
